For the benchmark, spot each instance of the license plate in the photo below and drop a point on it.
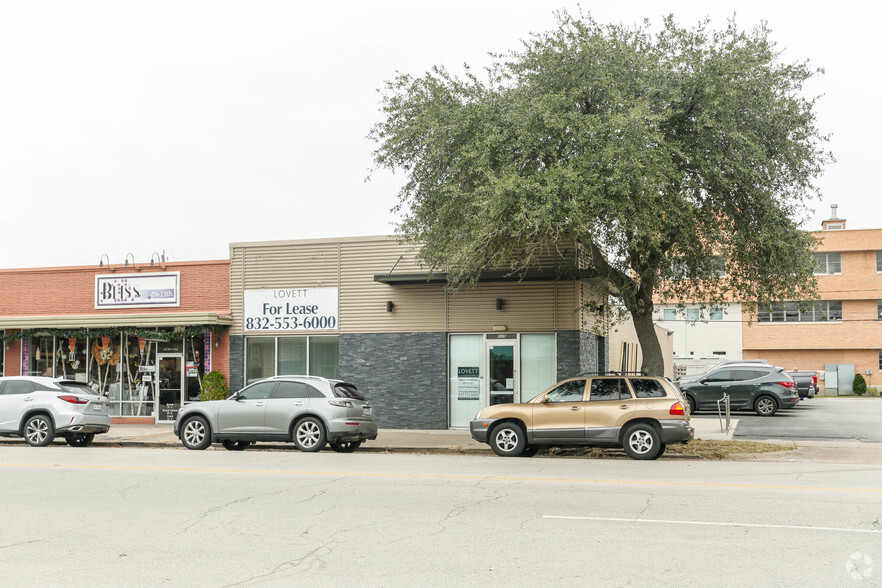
(366, 410)
(97, 407)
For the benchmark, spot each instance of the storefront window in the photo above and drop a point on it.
(538, 364)
(323, 356)
(466, 369)
(105, 367)
(292, 356)
(140, 372)
(42, 356)
(260, 359)
(194, 367)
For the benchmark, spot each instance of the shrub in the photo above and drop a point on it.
(214, 387)
(872, 391)
(860, 385)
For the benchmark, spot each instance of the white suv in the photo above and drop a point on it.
(39, 409)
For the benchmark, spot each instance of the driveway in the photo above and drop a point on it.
(815, 419)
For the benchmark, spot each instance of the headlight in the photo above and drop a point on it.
(477, 415)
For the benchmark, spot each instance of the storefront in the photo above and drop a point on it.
(143, 336)
(363, 310)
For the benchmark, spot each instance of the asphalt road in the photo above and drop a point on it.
(816, 419)
(149, 517)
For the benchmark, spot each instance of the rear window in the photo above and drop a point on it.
(347, 391)
(648, 388)
(76, 387)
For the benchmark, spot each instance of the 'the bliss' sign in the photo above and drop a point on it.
(138, 290)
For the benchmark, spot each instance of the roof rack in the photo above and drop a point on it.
(612, 373)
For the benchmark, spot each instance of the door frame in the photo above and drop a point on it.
(499, 340)
(156, 380)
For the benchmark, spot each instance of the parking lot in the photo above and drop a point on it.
(819, 418)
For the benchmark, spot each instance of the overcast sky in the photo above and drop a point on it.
(181, 126)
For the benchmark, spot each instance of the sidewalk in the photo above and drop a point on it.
(402, 440)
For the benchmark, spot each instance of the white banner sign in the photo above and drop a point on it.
(138, 290)
(291, 309)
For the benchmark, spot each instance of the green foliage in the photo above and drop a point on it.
(859, 386)
(214, 387)
(649, 154)
(872, 391)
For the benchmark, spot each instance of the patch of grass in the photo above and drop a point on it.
(698, 448)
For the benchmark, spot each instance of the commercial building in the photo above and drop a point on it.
(143, 334)
(364, 310)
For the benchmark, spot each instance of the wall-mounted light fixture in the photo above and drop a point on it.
(499, 303)
(101, 260)
(500, 328)
(128, 255)
(217, 339)
(389, 305)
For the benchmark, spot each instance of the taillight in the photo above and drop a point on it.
(74, 399)
(341, 403)
(786, 384)
(678, 408)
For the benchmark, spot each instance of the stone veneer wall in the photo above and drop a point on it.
(237, 362)
(577, 351)
(403, 375)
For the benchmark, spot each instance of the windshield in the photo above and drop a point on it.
(75, 387)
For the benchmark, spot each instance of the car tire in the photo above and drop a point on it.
(508, 440)
(641, 441)
(80, 439)
(309, 435)
(530, 450)
(347, 447)
(661, 451)
(693, 405)
(195, 433)
(765, 406)
(39, 430)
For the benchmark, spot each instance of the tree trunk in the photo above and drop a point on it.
(653, 360)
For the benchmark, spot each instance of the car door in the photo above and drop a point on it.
(245, 412)
(712, 388)
(559, 415)
(289, 400)
(610, 405)
(15, 397)
(743, 387)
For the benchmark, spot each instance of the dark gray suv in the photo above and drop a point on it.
(760, 388)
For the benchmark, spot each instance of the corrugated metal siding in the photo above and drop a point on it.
(352, 263)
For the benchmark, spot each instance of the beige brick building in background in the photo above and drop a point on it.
(845, 326)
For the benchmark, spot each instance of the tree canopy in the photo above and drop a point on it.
(655, 153)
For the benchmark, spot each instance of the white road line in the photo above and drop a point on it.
(716, 524)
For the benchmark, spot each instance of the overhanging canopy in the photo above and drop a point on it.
(93, 321)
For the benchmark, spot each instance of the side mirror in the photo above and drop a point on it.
(702, 381)
(544, 400)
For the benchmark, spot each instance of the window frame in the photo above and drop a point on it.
(823, 267)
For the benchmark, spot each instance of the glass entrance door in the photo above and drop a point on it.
(502, 371)
(169, 377)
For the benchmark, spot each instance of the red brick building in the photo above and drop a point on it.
(142, 334)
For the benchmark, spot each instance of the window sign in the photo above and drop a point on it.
(291, 309)
(138, 290)
(468, 383)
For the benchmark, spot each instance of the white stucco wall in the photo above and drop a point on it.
(695, 340)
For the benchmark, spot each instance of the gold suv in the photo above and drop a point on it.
(639, 413)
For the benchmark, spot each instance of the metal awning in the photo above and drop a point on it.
(97, 321)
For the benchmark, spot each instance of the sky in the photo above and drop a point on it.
(131, 127)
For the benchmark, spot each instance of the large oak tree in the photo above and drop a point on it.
(654, 153)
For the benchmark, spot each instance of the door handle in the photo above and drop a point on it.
(298, 404)
(258, 404)
(29, 399)
(574, 408)
(726, 386)
(624, 407)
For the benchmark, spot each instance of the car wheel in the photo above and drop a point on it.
(765, 406)
(348, 447)
(641, 441)
(661, 451)
(309, 435)
(80, 439)
(693, 406)
(530, 451)
(195, 434)
(508, 440)
(39, 431)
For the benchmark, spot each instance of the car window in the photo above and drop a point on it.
(609, 389)
(257, 391)
(720, 376)
(750, 374)
(18, 387)
(342, 390)
(645, 388)
(291, 390)
(75, 387)
(571, 391)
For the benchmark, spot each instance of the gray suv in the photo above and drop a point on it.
(307, 410)
(39, 409)
(757, 387)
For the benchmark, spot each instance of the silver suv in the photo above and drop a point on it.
(308, 410)
(39, 409)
